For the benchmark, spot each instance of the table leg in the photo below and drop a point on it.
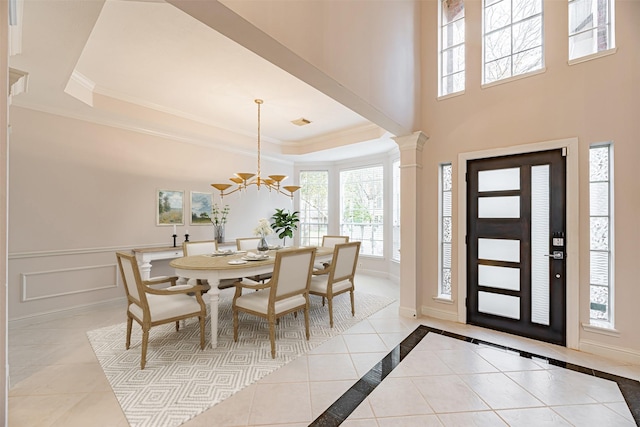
(145, 269)
(214, 298)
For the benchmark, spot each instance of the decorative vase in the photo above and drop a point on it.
(219, 233)
(263, 246)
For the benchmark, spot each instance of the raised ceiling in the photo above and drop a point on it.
(148, 65)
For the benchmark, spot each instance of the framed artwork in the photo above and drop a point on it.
(201, 204)
(170, 207)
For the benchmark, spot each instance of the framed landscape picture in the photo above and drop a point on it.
(201, 204)
(170, 207)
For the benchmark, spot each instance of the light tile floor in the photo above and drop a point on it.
(57, 381)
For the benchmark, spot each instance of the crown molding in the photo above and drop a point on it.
(18, 80)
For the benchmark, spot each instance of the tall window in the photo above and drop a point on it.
(600, 203)
(314, 207)
(395, 253)
(451, 42)
(512, 41)
(445, 230)
(590, 27)
(362, 208)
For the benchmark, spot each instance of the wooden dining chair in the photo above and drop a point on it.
(199, 247)
(251, 244)
(286, 292)
(331, 241)
(247, 243)
(340, 276)
(328, 242)
(152, 307)
(205, 247)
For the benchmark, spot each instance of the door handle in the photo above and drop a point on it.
(556, 255)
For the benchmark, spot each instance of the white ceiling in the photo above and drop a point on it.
(134, 63)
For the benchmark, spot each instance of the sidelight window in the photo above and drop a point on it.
(445, 230)
(601, 232)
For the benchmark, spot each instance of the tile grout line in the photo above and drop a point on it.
(349, 401)
(340, 410)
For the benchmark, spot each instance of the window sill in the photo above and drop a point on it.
(593, 56)
(450, 95)
(514, 78)
(601, 328)
(443, 299)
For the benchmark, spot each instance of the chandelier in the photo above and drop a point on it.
(244, 180)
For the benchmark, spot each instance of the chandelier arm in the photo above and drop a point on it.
(222, 193)
(283, 193)
(244, 180)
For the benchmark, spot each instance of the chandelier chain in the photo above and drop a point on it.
(259, 102)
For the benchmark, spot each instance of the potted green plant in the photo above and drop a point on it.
(284, 224)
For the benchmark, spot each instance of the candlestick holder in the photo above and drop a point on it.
(186, 237)
(174, 240)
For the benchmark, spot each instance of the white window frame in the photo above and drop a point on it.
(610, 322)
(305, 238)
(442, 51)
(611, 39)
(441, 216)
(381, 208)
(511, 24)
(395, 210)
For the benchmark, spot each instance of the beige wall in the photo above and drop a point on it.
(79, 191)
(594, 101)
(370, 48)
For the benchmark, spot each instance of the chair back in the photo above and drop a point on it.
(292, 272)
(247, 243)
(202, 247)
(131, 278)
(332, 241)
(345, 261)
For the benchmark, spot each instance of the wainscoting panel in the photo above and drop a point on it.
(55, 281)
(67, 281)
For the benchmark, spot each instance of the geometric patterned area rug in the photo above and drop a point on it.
(180, 381)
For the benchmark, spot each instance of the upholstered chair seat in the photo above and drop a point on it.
(157, 301)
(328, 242)
(286, 292)
(338, 277)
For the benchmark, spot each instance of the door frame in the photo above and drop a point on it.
(572, 226)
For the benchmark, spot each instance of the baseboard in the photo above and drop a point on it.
(612, 352)
(374, 273)
(56, 314)
(407, 312)
(439, 314)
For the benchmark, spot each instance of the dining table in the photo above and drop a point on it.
(229, 265)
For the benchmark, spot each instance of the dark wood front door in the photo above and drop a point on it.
(516, 245)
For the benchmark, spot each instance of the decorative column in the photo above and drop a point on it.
(411, 229)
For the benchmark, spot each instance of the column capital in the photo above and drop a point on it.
(413, 141)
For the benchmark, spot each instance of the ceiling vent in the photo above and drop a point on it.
(301, 121)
